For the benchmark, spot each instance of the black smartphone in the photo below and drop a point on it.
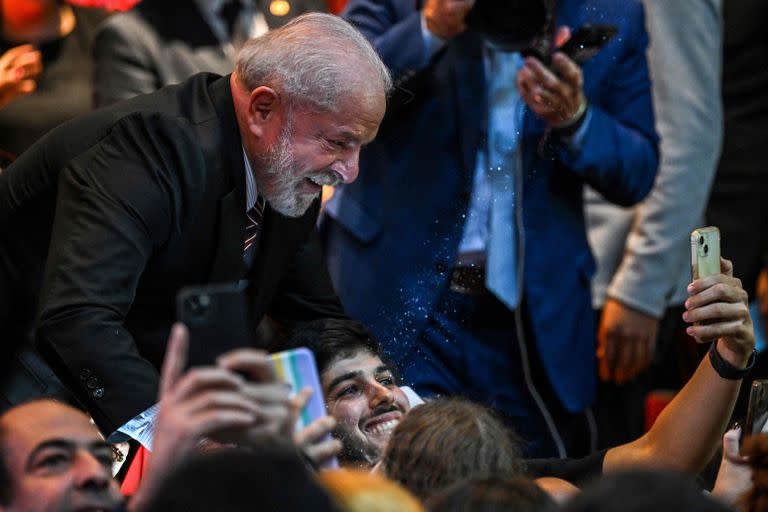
(218, 320)
(584, 44)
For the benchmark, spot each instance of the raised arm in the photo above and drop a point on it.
(687, 433)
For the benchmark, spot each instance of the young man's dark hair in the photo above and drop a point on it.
(643, 490)
(272, 477)
(447, 440)
(492, 494)
(331, 339)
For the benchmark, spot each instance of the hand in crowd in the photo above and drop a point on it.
(313, 440)
(734, 478)
(445, 18)
(195, 406)
(19, 67)
(556, 95)
(718, 304)
(626, 342)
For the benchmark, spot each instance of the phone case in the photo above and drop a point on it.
(297, 367)
(217, 319)
(757, 410)
(705, 252)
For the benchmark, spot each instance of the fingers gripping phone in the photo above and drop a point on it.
(584, 44)
(298, 369)
(705, 252)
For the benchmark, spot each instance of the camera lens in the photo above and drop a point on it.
(701, 240)
(706, 249)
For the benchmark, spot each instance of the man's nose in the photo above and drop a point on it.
(348, 167)
(381, 395)
(91, 474)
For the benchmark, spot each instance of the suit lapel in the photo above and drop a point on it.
(228, 260)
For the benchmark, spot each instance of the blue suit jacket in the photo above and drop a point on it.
(392, 236)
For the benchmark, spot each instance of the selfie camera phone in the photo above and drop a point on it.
(705, 252)
(217, 319)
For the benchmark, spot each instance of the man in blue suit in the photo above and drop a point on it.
(462, 243)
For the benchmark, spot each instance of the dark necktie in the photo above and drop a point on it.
(253, 219)
(229, 12)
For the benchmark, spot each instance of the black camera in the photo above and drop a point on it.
(528, 26)
(512, 25)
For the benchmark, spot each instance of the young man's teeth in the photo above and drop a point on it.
(316, 180)
(387, 426)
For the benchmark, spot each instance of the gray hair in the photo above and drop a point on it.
(314, 60)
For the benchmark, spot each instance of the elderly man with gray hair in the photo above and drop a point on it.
(214, 180)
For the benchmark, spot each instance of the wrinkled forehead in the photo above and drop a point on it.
(27, 426)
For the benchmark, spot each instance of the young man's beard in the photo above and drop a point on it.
(355, 452)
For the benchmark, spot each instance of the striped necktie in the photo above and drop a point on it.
(253, 219)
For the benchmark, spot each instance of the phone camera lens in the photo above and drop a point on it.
(701, 240)
(706, 249)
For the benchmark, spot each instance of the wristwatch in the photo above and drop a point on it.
(725, 369)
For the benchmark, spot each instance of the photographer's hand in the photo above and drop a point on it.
(555, 95)
(445, 18)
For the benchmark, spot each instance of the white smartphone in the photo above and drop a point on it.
(705, 252)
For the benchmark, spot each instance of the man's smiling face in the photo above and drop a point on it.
(360, 392)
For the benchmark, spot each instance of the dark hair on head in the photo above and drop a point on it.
(492, 494)
(331, 339)
(447, 440)
(643, 490)
(271, 477)
(756, 450)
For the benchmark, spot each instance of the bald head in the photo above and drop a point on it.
(315, 61)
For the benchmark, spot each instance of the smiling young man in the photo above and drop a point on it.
(360, 389)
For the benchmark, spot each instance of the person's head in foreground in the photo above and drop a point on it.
(360, 389)
(447, 440)
(492, 494)
(52, 458)
(363, 491)
(307, 97)
(643, 490)
(269, 477)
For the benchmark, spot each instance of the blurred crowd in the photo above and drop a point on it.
(475, 215)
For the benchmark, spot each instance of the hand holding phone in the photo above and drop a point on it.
(298, 369)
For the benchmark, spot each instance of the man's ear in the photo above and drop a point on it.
(265, 112)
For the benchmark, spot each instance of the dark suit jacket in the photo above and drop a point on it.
(397, 229)
(138, 200)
